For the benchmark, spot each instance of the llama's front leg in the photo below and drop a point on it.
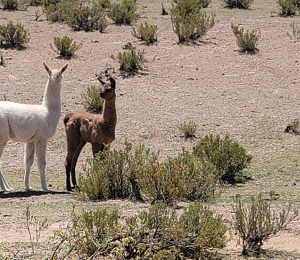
(28, 160)
(40, 148)
(3, 184)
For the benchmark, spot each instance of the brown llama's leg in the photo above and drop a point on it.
(74, 162)
(96, 148)
(74, 147)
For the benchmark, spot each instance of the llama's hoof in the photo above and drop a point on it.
(46, 190)
(28, 189)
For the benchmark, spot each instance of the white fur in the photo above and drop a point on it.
(32, 125)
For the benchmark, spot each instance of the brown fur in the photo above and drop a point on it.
(84, 127)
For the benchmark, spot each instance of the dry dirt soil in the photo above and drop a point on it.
(251, 98)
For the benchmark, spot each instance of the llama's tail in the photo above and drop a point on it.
(67, 117)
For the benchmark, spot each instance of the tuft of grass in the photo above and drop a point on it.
(91, 99)
(146, 32)
(246, 40)
(65, 46)
(188, 129)
(241, 4)
(124, 12)
(288, 7)
(131, 60)
(295, 31)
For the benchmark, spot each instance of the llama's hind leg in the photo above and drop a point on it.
(40, 148)
(3, 184)
(74, 149)
(28, 160)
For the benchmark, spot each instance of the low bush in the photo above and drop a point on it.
(65, 46)
(188, 22)
(124, 12)
(293, 127)
(91, 99)
(288, 7)
(154, 234)
(246, 40)
(58, 11)
(255, 222)
(14, 35)
(227, 156)
(242, 4)
(188, 129)
(139, 174)
(146, 32)
(10, 4)
(131, 60)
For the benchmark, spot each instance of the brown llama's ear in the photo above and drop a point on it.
(112, 82)
(64, 68)
(100, 79)
(47, 68)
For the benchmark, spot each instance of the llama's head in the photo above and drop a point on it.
(107, 88)
(55, 75)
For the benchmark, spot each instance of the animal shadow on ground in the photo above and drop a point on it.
(26, 194)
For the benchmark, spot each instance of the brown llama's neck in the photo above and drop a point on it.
(109, 113)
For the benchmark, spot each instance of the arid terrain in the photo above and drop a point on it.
(251, 98)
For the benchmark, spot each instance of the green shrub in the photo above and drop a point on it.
(242, 4)
(165, 181)
(288, 7)
(227, 156)
(58, 11)
(65, 46)
(98, 14)
(188, 22)
(188, 129)
(131, 60)
(153, 234)
(256, 222)
(124, 12)
(146, 32)
(10, 4)
(92, 101)
(13, 35)
(246, 41)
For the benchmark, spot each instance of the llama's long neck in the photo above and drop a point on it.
(52, 98)
(109, 114)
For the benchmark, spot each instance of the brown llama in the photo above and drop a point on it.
(84, 127)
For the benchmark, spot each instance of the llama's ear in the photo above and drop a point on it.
(47, 68)
(112, 82)
(64, 68)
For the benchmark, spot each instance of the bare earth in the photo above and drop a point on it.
(251, 98)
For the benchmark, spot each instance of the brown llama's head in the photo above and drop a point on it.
(107, 88)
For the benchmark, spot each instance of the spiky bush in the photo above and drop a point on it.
(65, 46)
(188, 21)
(124, 12)
(288, 7)
(14, 35)
(146, 32)
(153, 234)
(227, 156)
(242, 4)
(91, 99)
(188, 129)
(255, 222)
(246, 40)
(131, 61)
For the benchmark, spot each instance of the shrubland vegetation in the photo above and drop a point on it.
(197, 176)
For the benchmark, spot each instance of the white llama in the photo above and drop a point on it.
(32, 125)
